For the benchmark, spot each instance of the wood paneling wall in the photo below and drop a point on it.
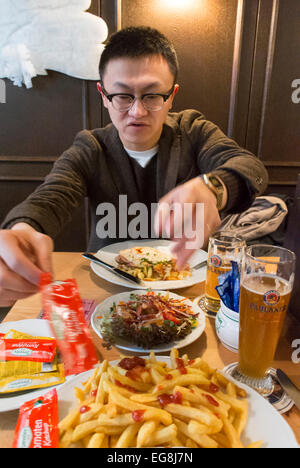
(238, 59)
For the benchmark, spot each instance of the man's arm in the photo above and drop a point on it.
(51, 205)
(26, 238)
(241, 174)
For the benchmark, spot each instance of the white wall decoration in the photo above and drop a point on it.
(40, 35)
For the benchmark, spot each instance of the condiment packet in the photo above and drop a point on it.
(16, 383)
(18, 335)
(37, 425)
(12, 368)
(34, 350)
(64, 311)
(229, 287)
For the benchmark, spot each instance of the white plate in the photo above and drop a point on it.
(126, 345)
(37, 327)
(264, 422)
(109, 253)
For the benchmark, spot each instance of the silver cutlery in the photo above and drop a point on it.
(290, 388)
(115, 270)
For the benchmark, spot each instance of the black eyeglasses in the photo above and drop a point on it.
(122, 102)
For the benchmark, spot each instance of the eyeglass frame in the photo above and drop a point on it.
(111, 96)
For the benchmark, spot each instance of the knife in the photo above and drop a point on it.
(290, 388)
(115, 270)
(199, 265)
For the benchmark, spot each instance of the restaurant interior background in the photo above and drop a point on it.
(238, 62)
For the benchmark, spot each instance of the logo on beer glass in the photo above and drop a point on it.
(216, 261)
(272, 297)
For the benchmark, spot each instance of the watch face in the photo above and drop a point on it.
(215, 182)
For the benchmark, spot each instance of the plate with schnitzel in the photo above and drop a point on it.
(152, 262)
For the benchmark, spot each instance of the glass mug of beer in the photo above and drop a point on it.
(223, 247)
(267, 278)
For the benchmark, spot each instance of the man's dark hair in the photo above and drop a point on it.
(136, 42)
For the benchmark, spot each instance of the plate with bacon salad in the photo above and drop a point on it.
(144, 321)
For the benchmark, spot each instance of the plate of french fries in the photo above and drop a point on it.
(173, 401)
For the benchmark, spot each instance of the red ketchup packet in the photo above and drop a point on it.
(36, 350)
(64, 311)
(37, 425)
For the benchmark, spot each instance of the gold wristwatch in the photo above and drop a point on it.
(215, 185)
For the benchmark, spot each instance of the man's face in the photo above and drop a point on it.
(139, 129)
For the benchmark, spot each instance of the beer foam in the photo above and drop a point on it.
(261, 283)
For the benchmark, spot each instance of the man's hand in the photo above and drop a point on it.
(24, 254)
(194, 219)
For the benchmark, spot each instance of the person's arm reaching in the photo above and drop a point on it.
(26, 240)
(241, 174)
(24, 254)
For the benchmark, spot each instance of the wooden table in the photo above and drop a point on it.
(67, 265)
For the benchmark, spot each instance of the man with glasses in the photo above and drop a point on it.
(147, 153)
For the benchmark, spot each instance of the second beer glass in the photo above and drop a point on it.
(223, 247)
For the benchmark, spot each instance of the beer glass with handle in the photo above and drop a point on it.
(223, 247)
(267, 278)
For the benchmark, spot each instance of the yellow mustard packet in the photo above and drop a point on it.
(11, 368)
(27, 375)
(22, 382)
(17, 335)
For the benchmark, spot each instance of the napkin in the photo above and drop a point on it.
(229, 287)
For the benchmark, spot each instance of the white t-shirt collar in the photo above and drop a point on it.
(143, 157)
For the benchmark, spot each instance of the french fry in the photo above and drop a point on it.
(257, 444)
(160, 406)
(156, 376)
(88, 384)
(118, 420)
(145, 432)
(69, 421)
(152, 358)
(162, 436)
(96, 440)
(204, 417)
(184, 380)
(223, 381)
(144, 397)
(116, 376)
(93, 411)
(84, 429)
(174, 354)
(128, 435)
(197, 433)
(79, 394)
(203, 440)
(241, 418)
(158, 414)
(113, 441)
(66, 440)
(191, 444)
(197, 396)
(231, 434)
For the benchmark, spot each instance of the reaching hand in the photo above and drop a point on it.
(24, 254)
(188, 215)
